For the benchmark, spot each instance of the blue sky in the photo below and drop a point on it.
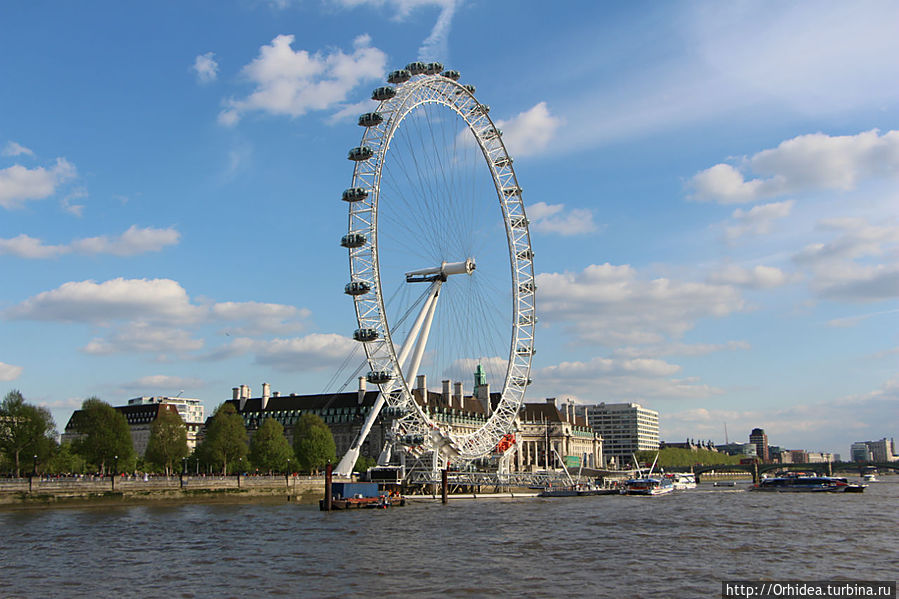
(712, 189)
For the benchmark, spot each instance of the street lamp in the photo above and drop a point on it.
(34, 467)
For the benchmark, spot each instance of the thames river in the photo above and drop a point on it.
(679, 545)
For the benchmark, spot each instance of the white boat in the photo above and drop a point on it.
(648, 486)
(682, 480)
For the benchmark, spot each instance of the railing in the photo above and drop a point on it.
(100, 484)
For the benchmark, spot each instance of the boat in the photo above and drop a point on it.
(804, 483)
(647, 486)
(577, 490)
(870, 478)
(352, 496)
(725, 483)
(682, 480)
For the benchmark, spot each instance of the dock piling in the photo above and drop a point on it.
(329, 473)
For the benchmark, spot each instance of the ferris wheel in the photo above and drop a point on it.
(441, 266)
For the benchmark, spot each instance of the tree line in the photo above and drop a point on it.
(28, 443)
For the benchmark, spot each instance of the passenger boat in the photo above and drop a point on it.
(682, 480)
(577, 490)
(647, 486)
(352, 496)
(807, 484)
(870, 478)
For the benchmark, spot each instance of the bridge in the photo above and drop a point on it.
(821, 468)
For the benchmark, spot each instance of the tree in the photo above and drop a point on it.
(25, 430)
(65, 460)
(313, 443)
(105, 436)
(168, 440)
(363, 463)
(269, 449)
(226, 438)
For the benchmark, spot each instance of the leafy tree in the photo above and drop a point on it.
(269, 449)
(25, 430)
(677, 457)
(363, 463)
(168, 440)
(65, 460)
(313, 443)
(105, 436)
(226, 438)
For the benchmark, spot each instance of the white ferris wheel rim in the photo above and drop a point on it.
(434, 88)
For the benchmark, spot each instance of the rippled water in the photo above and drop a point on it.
(679, 545)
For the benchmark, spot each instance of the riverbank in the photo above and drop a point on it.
(106, 491)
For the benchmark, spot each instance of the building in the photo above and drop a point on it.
(191, 411)
(625, 428)
(758, 438)
(874, 451)
(747, 449)
(140, 418)
(822, 457)
(344, 413)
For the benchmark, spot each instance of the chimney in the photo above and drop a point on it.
(421, 382)
(235, 392)
(244, 396)
(276, 394)
(446, 390)
(457, 395)
(361, 395)
(482, 392)
(266, 394)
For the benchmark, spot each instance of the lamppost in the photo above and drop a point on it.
(34, 467)
(239, 470)
(287, 474)
(183, 470)
(115, 470)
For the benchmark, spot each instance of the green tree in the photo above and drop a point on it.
(313, 443)
(25, 431)
(363, 463)
(226, 438)
(269, 449)
(65, 460)
(168, 440)
(105, 436)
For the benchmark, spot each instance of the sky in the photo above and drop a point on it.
(712, 190)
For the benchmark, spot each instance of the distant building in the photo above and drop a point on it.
(569, 437)
(821, 457)
(874, 451)
(191, 411)
(625, 428)
(691, 444)
(747, 449)
(758, 438)
(140, 418)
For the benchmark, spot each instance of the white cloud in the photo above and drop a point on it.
(842, 269)
(291, 83)
(260, 317)
(552, 218)
(619, 379)
(680, 349)
(142, 337)
(116, 299)
(74, 209)
(8, 372)
(348, 111)
(13, 149)
(131, 242)
(206, 67)
(757, 277)
(312, 352)
(758, 220)
(611, 305)
(19, 184)
(804, 163)
(529, 132)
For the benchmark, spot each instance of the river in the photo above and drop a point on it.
(678, 545)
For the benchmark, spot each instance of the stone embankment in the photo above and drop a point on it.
(129, 489)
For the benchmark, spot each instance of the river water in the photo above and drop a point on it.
(678, 545)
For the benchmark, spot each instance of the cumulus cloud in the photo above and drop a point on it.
(529, 132)
(758, 220)
(164, 382)
(291, 83)
(315, 351)
(260, 317)
(206, 67)
(116, 299)
(610, 304)
(14, 149)
(845, 268)
(757, 277)
(619, 379)
(133, 241)
(804, 163)
(553, 218)
(8, 372)
(143, 337)
(19, 184)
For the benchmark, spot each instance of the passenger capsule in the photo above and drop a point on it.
(379, 377)
(357, 288)
(526, 254)
(527, 319)
(454, 75)
(354, 194)
(365, 335)
(383, 93)
(503, 161)
(514, 190)
(519, 221)
(399, 76)
(469, 88)
(360, 153)
(353, 240)
(520, 381)
(433, 68)
(416, 68)
(483, 108)
(528, 287)
(491, 133)
(370, 119)
(525, 351)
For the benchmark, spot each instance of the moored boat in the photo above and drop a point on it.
(807, 484)
(648, 486)
(682, 480)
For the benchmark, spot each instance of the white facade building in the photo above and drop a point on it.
(625, 428)
(192, 412)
